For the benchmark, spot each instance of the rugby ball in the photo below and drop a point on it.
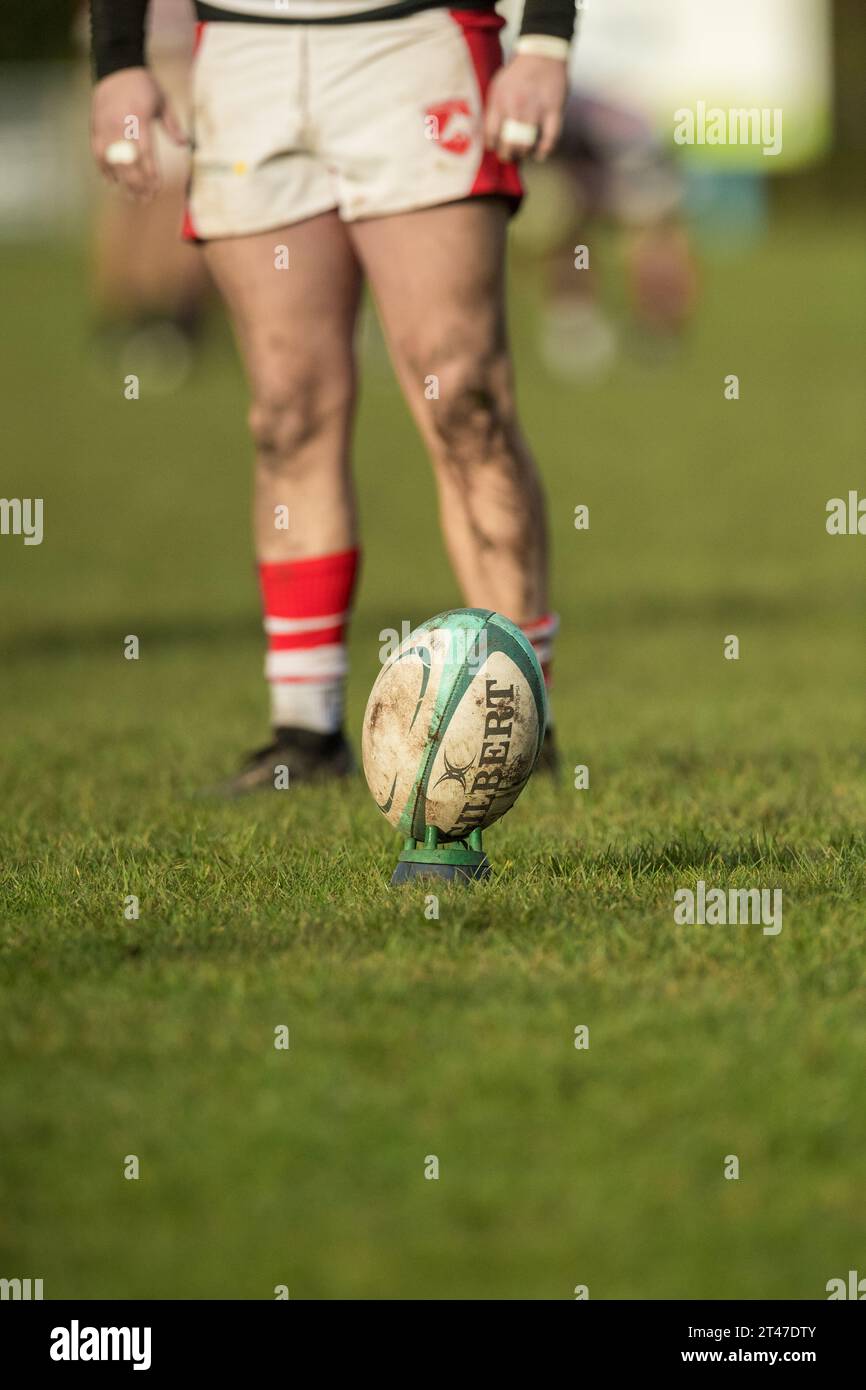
(454, 724)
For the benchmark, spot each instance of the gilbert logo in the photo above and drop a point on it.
(498, 729)
(449, 123)
(856, 1287)
(75, 1343)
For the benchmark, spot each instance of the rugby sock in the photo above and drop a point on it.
(541, 634)
(306, 611)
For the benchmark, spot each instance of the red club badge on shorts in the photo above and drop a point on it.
(449, 123)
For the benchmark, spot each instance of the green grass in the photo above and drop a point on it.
(411, 1036)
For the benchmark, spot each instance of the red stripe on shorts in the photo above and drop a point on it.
(480, 31)
(188, 229)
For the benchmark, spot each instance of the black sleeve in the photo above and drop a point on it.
(117, 35)
(554, 17)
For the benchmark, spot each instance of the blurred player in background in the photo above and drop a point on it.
(336, 141)
(641, 195)
(620, 179)
(150, 286)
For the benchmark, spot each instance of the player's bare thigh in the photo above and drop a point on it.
(292, 294)
(293, 297)
(438, 276)
(439, 279)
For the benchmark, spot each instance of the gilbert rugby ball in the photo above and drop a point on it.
(454, 724)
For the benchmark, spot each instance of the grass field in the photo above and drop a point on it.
(412, 1037)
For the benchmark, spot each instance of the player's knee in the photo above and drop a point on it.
(285, 423)
(473, 412)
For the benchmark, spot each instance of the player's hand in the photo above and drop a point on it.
(524, 106)
(124, 108)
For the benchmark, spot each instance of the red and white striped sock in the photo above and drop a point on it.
(306, 610)
(541, 634)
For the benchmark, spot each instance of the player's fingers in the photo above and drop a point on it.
(141, 179)
(491, 133)
(106, 169)
(107, 153)
(550, 128)
(146, 168)
(128, 163)
(510, 153)
(138, 180)
(140, 176)
(122, 161)
(492, 119)
(517, 138)
(173, 127)
(114, 163)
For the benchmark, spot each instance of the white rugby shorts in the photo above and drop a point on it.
(368, 118)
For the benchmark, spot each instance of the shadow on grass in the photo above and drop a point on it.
(658, 609)
(104, 637)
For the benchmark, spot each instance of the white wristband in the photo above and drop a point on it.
(543, 46)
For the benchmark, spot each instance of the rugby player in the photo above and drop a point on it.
(619, 172)
(350, 140)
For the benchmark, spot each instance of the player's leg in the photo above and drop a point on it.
(437, 275)
(293, 297)
(427, 207)
(631, 180)
(577, 338)
(438, 278)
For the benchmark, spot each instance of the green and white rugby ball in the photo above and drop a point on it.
(454, 724)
